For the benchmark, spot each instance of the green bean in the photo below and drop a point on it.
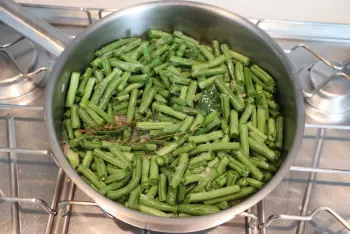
(267, 177)
(90, 144)
(239, 75)
(119, 155)
(223, 163)
(177, 79)
(75, 120)
(110, 159)
(207, 156)
(184, 149)
(225, 50)
(244, 192)
(211, 117)
(256, 131)
(216, 48)
(171, 196)
(242, 182)
(97, 119)
(85, 117)
(90, 176)
(237, 56)
(186, 124)
(144, 147)
(197, 122)
(100, 112)
(82, 85)
(202, 184)
(188, 110)
(246, 113)
(132, 105)
(73, 158)
(209, 72)
(204, 196)
(271, 129)
(134, 197)
(145, 200)
(147, 101)
(206, 137)
(163, 76)
(191, 92)
(152, 192)
(256, 173)
(87, 159)
(279, 132)
(237, 103)
(188, 39)
(262, 75)
(159, 98)
(154, 172)
(114, 195)
(264, 165)
(72, 90)
(125, 66)
(178, 101)
(208, 82)
(101, 168)
(243, 134)
(102, 86)
(159, 51)
(111, 170)
(249, 83)
(215, 147)
(152, 125)
(162, 188)
(180, 170)
(114, 45)
(232, 177)
(150, 210)
(169, 111)
(234, 126)
(157, 33)
(255, 183)
(121, 106)
(197, 209)
(181, 50)
(262, 149)
(123, 82)
(126, 48)
(182, 61)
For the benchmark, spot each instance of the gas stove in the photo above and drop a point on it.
(37, 197)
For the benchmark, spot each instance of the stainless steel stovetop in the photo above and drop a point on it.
(35, 195)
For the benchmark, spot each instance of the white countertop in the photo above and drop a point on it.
(332, 11)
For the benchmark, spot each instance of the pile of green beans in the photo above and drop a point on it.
(172, 127)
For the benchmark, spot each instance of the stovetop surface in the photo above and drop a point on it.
(28, 174)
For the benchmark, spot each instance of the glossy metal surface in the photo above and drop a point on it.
(204, 22)
(32, 27)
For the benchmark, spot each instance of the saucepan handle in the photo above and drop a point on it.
(32, 27)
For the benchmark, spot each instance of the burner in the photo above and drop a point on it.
(331, 103)
(23, 65)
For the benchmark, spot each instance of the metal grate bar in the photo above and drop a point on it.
(54, 202)
(310, 183)
(15, 219)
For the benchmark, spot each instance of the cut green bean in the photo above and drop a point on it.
(204, 196)
(72, 90)
(279, 132)
(162, 188)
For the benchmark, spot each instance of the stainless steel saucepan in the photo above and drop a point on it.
(203, 22)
